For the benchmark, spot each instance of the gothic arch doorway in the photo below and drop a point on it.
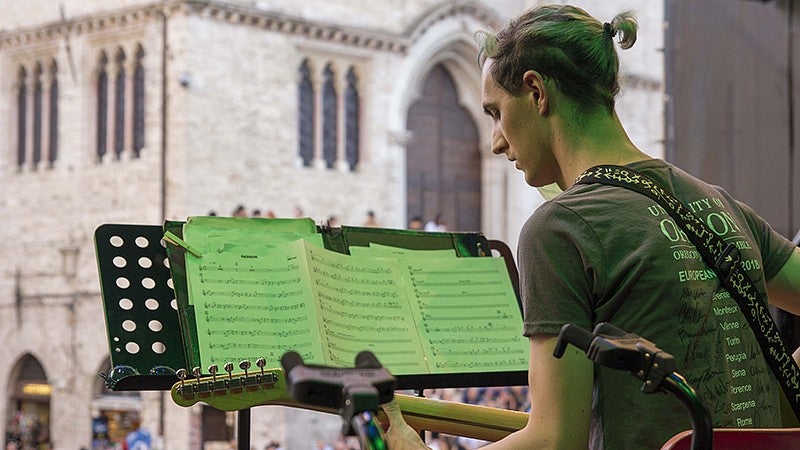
(443, 168)
(29, 409)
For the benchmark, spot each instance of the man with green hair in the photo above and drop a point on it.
(601, 253)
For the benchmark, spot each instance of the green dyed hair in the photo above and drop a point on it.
(563, 43)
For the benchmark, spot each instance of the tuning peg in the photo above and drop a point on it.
(228, 368)
(197, 373)
(213, 369)
(181, 374)
(244, 365)
(261, 363)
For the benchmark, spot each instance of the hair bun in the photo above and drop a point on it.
(609, 30)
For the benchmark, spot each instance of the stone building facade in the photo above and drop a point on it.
(136, 111)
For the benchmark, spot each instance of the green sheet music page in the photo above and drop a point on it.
(363, 305)
(259, 289)
(251, 293)
(467, 313)
(465, 308)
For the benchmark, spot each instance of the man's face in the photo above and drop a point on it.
(517, 129)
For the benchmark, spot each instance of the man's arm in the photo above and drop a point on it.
(561, 399)
(784, 288)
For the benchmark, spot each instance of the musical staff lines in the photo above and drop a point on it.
(212, 318)
(356, 291)
(317, 257)
(256, 332)
(254, 308)
(418, 313)
(361, 329)
(249, 269)
(251, 294)
(247, 282)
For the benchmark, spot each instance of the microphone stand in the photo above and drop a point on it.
(356, 393)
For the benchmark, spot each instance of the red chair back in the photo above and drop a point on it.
(743, 439)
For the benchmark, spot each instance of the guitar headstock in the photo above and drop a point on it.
(232, 392)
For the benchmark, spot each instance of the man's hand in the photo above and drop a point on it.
(400, 435)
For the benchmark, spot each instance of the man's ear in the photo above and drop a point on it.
(533, 84)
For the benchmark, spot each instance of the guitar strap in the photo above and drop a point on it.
(725, 260)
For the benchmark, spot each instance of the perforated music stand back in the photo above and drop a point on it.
(141, 312)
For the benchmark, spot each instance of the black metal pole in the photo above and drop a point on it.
(243, 429)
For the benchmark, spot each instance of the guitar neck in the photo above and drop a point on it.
(268, 387)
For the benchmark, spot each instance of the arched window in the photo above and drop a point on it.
(138, 103)
(351, 118)
(37, 115)
(329, 118)
(52, 145)
(305, 115)
(119, 105)
(102, 106)
(22, 114)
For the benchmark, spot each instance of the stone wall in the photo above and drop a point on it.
(221, 130)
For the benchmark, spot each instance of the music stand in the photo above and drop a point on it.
(143, 324)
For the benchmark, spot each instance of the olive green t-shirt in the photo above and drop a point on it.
(599, 253)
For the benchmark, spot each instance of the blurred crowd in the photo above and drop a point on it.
(27, 432)
(370, 218)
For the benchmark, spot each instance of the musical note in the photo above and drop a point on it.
(352, 279)
(257, 332)
(317, 258)
(364, 328)
(255, 294)
(362, 316)
(250, 346)
(358, 292)
(392, 304)
(247, 282)
(481, 351)
(237, 269)
(473, 340)
(243, 307)
(507, 362)
(254, 320)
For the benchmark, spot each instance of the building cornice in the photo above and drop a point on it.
(248, 16)
(88, 24)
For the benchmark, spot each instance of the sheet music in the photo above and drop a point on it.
(364, 306)
(465, 309)
(255, 295)
(251, 295)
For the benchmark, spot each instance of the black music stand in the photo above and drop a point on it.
(142, 320)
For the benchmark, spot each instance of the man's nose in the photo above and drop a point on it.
(499, 144)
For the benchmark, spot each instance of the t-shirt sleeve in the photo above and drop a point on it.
(775, 248)
(557, 280)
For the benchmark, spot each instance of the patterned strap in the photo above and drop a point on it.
(725, 259)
